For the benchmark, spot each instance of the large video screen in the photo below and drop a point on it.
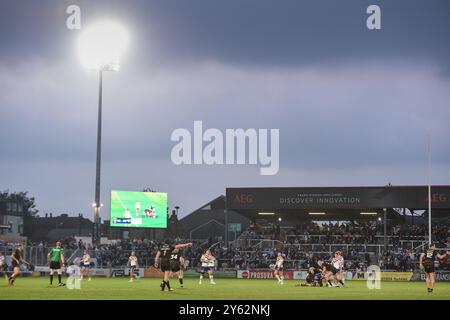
(138, 209)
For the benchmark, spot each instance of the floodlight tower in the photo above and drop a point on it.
(100, 47)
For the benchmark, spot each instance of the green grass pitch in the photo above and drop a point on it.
(228, 289)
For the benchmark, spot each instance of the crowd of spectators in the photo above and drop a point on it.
(363, 233)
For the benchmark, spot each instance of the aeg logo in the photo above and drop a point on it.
(438, 197)
(243, 198)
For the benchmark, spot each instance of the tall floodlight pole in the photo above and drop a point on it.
(226, 228)
(97, 234)
(100, 47)
(385, 229)
(429, 189)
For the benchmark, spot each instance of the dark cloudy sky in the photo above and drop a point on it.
(354, 106)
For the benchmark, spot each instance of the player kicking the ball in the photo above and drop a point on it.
(208, 264)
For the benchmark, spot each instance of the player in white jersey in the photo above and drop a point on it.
(338, 264)
(127, 214)
(208, 264)
(3, 267)
(133, 264)
(137, 207)
(279, 268)
(86, 265)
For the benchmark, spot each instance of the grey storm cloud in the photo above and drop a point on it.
(251, 32)
(353, 106)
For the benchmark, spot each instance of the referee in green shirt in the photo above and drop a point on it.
(56, 259)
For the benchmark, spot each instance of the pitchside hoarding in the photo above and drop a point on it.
(414, 197)
(262, 274)
(349, 275)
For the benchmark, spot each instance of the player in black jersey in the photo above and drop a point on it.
(328, 271)
(427, 264)
(313, 279)
(165, 252)
(177, 265)
(17, 260)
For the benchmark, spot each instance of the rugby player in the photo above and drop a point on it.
(313, 279)
(3, 267)
(86, 265)
(427, 264)
(279, 268)
(56, 260)
(328, 271)
(127, 214)
(133, 264)
(177, 265)
(137, 208)
(208, 264)
(17, 260)
(150, 212)
(338, 264)
(164, 252)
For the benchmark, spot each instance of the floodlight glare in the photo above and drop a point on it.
(101, 45)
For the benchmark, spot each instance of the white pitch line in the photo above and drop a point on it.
(115, 194)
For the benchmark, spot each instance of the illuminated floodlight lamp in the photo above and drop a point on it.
(266, 213)
(101, 45)
(316, 213)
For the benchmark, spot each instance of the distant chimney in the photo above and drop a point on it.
(51, 215)
(46, 215)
